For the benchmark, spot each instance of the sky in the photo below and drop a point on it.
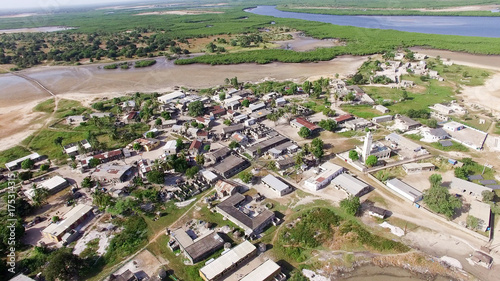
(53, 4)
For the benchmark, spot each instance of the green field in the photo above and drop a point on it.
(45, 106)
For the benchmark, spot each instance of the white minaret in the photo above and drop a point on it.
(367, 146)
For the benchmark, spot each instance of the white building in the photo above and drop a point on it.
(256, 106)
(381, 108)
(209, 176)
(453, 126)
(328, 172)
(351, 185)
(267, 271)
(415, 168)
(170, 97)
(468, 187)
(276, 185)
(380, 119)
(404, 190)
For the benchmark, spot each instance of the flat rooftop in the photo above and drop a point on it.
(71, 217)
(227, 260)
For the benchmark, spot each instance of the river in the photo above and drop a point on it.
(447, 25)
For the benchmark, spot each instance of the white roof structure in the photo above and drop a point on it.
(53, 182)
(256, 106)
(70, 218)
(329, 170)
(16, 162)
(404, 190)
(222, 263)
(232, 99)
(262, 272)
(209, 175)
(275, 183)
(170, 145)
(452, 126)
(172, 96)
(350, 184)
(481, 211)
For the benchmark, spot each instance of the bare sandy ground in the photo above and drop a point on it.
(180, 12)
(23, 15)
(302, 43)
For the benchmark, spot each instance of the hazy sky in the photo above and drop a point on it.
(53, 4)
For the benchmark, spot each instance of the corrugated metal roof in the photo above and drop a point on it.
(225, 261)
(350, 184)
(274, 182)
(262, 272)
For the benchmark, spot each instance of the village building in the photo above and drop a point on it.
(144, 166)
(415, 168)
(130, 117)
(148, 143)
(263, 146)
(380, 119)
(369, 148)
(100, 114)
(469, 188)
(405, 147)
(128, 105)
(170, 147)
(481, 211)
(406, 83)
(381, 108)
(127, 275)
(277, 151)
(167, 98)
(209, 176)
(260, 115)
(350, 185)
(52, 185)
(195, 147)
(112, 173)
(343, 118)
(300, 122)
(73, 148)
(377, 212)
(70, 221)
(225, 188)
(250, 122)
(404, 190)
(256, 107)
(231, 166)
(194, 248)
(202, 135)
(276, 185)
(266, 271)
(433, 135)
(482, 259)
(16, 164)
(252, 222)
(357, 124)
(219, 154)
(328, 171)
(229, 261)
(285, 163)
(229, 130)
(240, 118)
(239, 138)
(280, 102)
(217, 111)
(453, 126)
(407, 123)
(168, 124)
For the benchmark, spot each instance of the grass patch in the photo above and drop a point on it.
(363, 111)
(474, 123)
(45, 106)
(459, 74)
(43, 143)
(454, 147)
(69, 108)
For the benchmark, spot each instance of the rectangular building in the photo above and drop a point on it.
(481, 211)
(301, 122)
(16, 164)
(231, 166)
(72, 219)
(170, 147)
(219, 154)
(276, 185)
(228, 261)
(111, 173)
(414, 168)
(404, 190)
(380, 119)
(468, 187)
(265, 145)
(267, 271)
(255, 224)
(54, 184)
(328, 172)
(170, 97)
(351, 185)
(197, 248)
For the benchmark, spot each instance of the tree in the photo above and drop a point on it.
(200, 159)
(150, 135)
(234, 82)
(461, 172)
(472, 222)
(63, 265)
(328, 112)
(25, 175)
(44, 167)
(179, 144)
(432, 123)
(98, 106)
(222, 96)
(58, 141)
(306, 87)
(245, 176)
(245, 103)
(328, 124)
(196, 108)
(350, 205)
(137, 146)
(6, 232)
(55, 219)
(93, 162)
(40, 196)
(435, 179)
(166, 115)
(191, 172)
(87, 182)
(439, 200)
(353, 155)
(226, 80)
(404, 95)
(488, 196)
(371, 161)
(349, 97)
(233, 145)
(227, 122)
(156, 176)
(318, 152)
(206, 147)
(158, 122)
(304, 132)
(27, 164)
(122, 206)
(101, 200)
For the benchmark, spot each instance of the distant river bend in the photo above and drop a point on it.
(445, 25)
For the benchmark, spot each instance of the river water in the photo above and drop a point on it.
(447, 25)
